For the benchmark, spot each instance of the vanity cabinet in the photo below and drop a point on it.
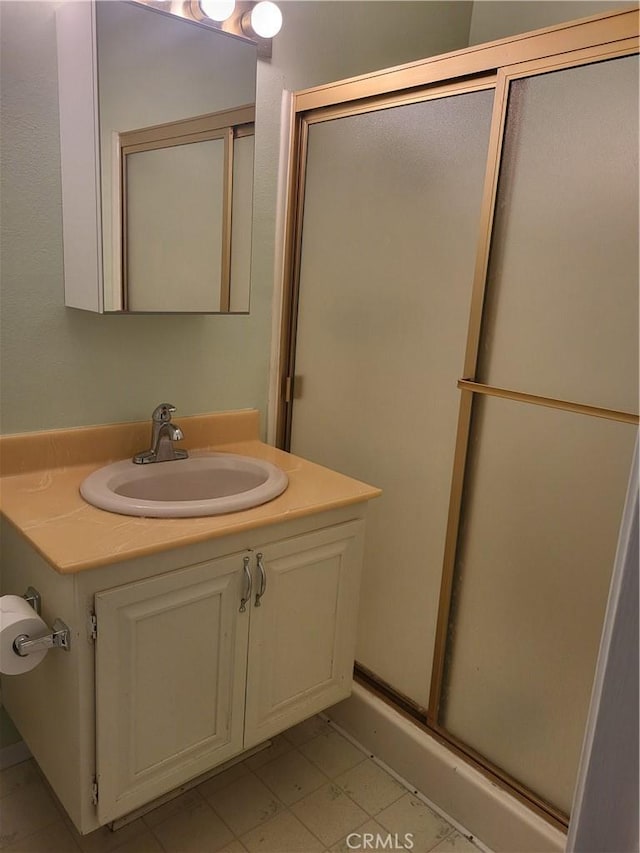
(173, 676)
(188, 674)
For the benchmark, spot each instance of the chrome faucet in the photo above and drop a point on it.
(163, 434)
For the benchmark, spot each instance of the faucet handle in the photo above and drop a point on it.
(162, 413)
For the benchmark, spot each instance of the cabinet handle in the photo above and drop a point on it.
(263, 579)
(247, 592)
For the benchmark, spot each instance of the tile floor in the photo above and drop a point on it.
(307, 792)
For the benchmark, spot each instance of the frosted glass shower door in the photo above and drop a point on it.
(392, 202)
(561, 318)
(532, 578)
(544, 488)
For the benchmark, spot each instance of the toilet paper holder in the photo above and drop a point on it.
(33, 597)
(59, 638)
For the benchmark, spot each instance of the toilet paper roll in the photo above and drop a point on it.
(18, 617)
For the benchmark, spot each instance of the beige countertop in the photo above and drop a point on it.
(42, 472)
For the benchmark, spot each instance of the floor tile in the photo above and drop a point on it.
(245, 803)
(189, 800)
(306, 730)
(365, 837)
(145, 843)
(103, 840)
(332, 753)
(370, 786)
(252, 803)
(55, 838)
(18, 776)
(25, 811)
(329, 813)
(279, 746)
(455, 843)
(216, 783)
(282, 834)
(291, 777)
(411, 815)
(193, 830)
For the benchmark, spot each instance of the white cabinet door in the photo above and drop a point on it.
(302, 635)
(171, 657)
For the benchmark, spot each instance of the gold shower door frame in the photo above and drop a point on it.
(495, 66)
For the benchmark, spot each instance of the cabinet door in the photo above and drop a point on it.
(170, 679)
(302, 636)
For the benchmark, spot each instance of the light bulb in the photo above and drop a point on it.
(266, 19)
(217, 10)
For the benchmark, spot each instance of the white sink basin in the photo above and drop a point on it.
(207, 484)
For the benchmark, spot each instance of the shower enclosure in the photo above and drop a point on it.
(461, 329)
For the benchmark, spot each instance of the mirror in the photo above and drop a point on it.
(173, 102)
(200, 171)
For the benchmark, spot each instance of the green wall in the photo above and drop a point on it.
(61, 367)
(497, 19)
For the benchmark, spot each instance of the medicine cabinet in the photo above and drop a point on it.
(156, 136)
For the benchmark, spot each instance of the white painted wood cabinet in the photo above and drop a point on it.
(303, 633)
(177, 680)
(170, 681)
(115, 75)
(176, 655)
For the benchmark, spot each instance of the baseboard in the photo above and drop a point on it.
(14, 754)
(497, 819)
